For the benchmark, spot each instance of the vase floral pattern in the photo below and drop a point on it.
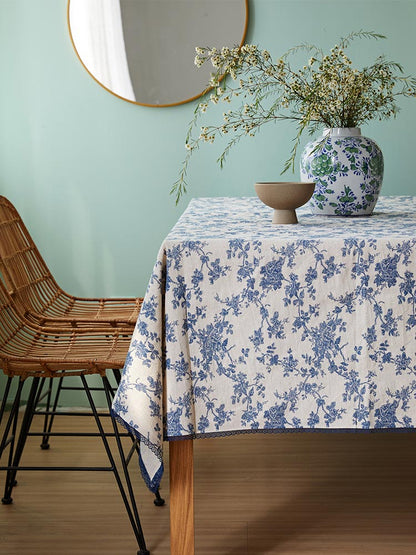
(348, 171)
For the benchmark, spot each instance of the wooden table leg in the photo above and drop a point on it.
(181, 465)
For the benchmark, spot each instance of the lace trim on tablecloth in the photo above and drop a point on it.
(287, 431)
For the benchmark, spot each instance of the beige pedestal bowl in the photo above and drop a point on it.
(284, 198)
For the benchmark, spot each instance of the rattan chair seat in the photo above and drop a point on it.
(36, 292)
(26, 350)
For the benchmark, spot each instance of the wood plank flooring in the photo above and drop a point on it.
(286, 494)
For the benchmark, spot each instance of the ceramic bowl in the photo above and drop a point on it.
(284, 197)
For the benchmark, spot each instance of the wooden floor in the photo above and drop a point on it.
(285, 494)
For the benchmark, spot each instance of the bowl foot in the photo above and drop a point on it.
(284, 217)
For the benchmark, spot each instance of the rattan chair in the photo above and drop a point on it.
(32, 286)
(27, 351)
(43, 303)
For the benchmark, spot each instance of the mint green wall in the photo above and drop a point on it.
(91, 173)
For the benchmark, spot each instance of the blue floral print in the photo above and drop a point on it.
(249, 326)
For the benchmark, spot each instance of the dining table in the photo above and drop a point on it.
(252, 327)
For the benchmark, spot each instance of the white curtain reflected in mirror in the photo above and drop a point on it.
(97, 32)
(144, 50)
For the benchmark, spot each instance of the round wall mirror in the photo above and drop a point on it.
(143, 50)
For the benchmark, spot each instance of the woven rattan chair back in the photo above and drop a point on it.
(21, 264)
(10, 329)
(35, 290)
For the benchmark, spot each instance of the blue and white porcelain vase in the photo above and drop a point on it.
(348, 171)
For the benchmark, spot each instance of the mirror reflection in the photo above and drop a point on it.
(143, 50)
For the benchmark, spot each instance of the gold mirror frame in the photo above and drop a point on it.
(244, 32)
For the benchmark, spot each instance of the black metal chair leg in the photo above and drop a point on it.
(45, 439)
(131, 506)
(14, 457)
(158, 501)
(117, 375)
(9, 440)
(49, 418)
(12, 420)
(47, 424)
(4, 400)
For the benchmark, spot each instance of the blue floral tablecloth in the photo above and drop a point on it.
(247, 326)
